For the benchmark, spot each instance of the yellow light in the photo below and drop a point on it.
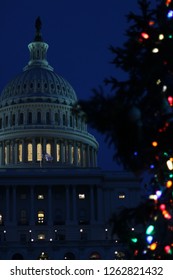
(161, 37)
(169, 164)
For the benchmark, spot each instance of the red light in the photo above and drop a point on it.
(170, 100)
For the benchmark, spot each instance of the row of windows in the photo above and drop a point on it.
(57, 120)
(41, 217)
(63, 153)
(42, 196)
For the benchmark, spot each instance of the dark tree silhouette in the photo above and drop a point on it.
(137, 118)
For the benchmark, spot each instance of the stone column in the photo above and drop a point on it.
(99, 204)
(75, 154)
(16, 152)
(23, 151)
(14, 205)
(50, 205)
(69, 153)
(92, 203)
(88, 156)
(67, 204)
(34, 150)
(74, 204)
(7, 210)
(3, 153)
(8, 152)
(32, 212)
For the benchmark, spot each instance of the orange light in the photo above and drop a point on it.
(169, 184)
(153, 246)
(144, 35)
(154, 144)
(151, 22)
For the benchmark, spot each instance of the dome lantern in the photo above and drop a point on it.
(38, 50)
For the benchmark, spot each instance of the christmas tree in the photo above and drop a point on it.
(137, 118)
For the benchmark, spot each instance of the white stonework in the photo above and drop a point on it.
(55, 202)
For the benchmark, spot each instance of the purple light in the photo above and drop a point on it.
(152, 166)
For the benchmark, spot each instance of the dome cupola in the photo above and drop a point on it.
(38, 123)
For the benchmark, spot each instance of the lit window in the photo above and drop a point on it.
(41, 236)
(39, 152)
(58, 152)
(1, 219)
(121, 196)
(48, 149)
(20, 152)
(81, 196)
(30, 158)
(40, 217)
(40, 196)
(5, 154)
(79, 155)
(72, 154)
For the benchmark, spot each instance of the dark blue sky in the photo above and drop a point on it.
(78, 32)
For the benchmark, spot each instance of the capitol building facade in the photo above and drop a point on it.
(55, 202)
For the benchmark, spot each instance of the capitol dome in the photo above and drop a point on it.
(39, 122)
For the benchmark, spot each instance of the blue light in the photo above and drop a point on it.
(158, 193)
(152, 166)
(149, 239)
(170, 14)
(135, 153)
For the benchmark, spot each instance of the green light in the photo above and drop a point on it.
(134, 240)
(170, 36)
(170, 175)
(150, 230)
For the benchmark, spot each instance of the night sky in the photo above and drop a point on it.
(79, 33)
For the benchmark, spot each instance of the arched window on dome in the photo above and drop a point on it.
(71, 121)
(56, 118)
(20, 152)
(39, 152)
(29, 152)
(39, 117)
(29, 117)
(48, 118)
(64, 119)
(6, 121)
(20, 118)
(13, 119)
